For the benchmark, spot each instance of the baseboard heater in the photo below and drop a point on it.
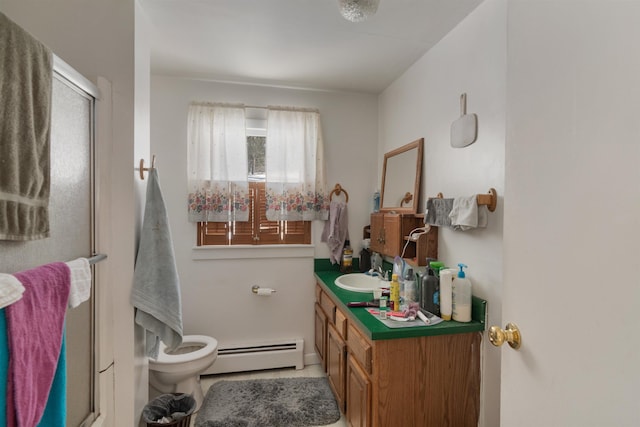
(259, 356)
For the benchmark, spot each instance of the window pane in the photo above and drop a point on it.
(256, 156)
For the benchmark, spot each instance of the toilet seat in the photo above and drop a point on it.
(210, 345)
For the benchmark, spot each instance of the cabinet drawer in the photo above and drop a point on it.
(328, 306)
(341, 323)
(318, 292)
(359, 347)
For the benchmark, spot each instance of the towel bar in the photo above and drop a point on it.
(490, 199)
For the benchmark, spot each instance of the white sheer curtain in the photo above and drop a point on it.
(295, 172)
(217, 163)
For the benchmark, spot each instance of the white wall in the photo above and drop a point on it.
(216, 293)
(423, 103)
(96, 38)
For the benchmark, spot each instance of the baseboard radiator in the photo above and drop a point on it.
(259, 356)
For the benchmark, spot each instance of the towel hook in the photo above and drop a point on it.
(337, 190)
(406, 199)
(143, 169)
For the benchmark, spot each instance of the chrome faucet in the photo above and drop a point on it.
(378, 271)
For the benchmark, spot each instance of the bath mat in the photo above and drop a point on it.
(281, 402)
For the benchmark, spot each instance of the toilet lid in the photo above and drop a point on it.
(208, 345)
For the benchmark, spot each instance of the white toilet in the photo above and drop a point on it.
(178, 371)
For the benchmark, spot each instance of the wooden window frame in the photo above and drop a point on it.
(257, 230)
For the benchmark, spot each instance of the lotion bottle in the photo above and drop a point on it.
(446, 285)
(461, 297)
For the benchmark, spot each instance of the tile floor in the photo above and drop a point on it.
(308, 371)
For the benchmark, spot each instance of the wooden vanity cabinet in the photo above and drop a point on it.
(320, 324)
(358, 413)
(391, 231)
(409, 382)
(336, 364)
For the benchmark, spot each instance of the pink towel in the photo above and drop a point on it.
(35, 325)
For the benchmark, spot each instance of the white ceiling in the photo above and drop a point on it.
(295, 43)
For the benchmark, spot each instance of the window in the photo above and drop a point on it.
(258, 230)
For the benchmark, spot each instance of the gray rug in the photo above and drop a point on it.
(282, 402)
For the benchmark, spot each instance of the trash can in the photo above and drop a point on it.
(176, 407)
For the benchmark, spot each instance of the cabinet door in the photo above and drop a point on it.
(336, 365)
(393, 234)
(377, 232)
(358, 395)
(321, 335)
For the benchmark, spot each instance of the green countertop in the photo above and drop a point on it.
(374, 329)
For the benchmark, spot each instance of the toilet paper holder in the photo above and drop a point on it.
(262, 291)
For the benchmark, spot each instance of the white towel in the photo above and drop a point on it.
(11, 289)
(80, 282)
(466, 214)
(156, 286)
(336, 230)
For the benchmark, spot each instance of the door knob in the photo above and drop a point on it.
(510, 334)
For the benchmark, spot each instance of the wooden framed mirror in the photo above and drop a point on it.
(401, 174)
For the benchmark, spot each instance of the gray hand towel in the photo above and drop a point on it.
(156, 286)
(437, 212)
(26, 68)
(466, 214)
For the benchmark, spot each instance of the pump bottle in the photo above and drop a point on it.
(461, 297)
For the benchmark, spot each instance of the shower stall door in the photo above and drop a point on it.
(71, 212)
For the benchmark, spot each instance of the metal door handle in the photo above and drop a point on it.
(510, 334)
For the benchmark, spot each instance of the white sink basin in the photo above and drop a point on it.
(360, 282)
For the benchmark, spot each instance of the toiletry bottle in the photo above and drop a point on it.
(376, 201)
(446, 283)
(409, 288)
(383, 307)
(431, 288)
(394, 297)
(365, 260)
(346, 265)
(461, 297)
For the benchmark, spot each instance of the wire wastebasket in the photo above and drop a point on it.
(175, 408)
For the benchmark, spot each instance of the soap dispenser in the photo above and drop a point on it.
(461, 297)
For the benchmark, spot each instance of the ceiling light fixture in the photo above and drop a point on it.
(358, 10)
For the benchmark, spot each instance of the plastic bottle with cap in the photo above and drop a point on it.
(446, 280)
(409, 289)
(461, 296)
(346, 264)
(430, 297)
(394, 293)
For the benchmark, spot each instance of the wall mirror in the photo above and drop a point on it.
(401, 178)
